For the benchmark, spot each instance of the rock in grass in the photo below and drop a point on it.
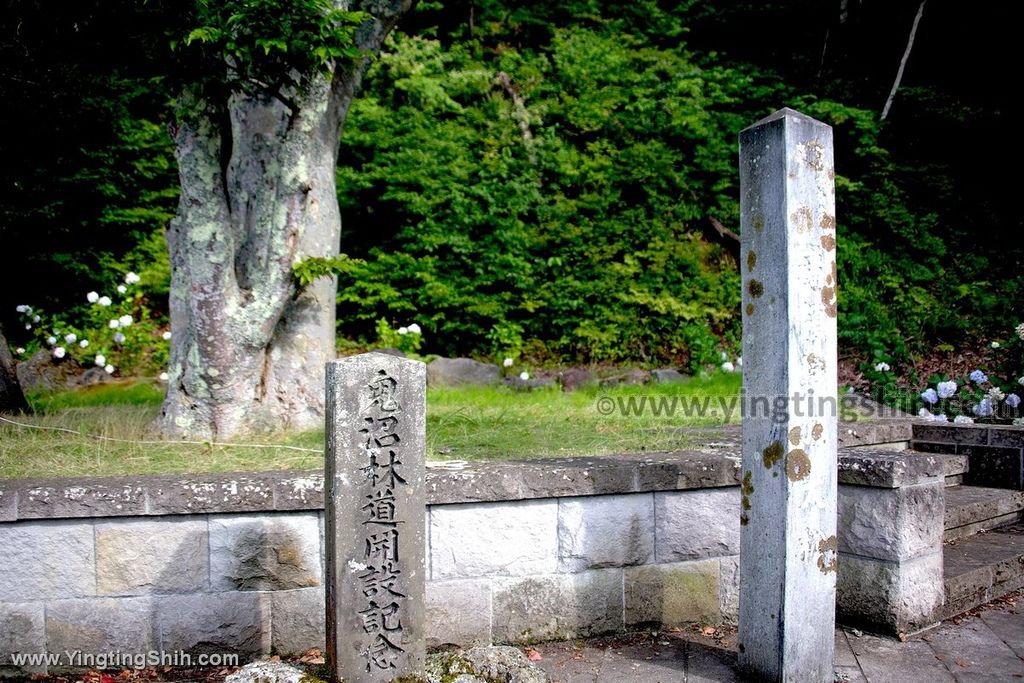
(452, 372)
(483, 664)
(574, 378)
(668, 376)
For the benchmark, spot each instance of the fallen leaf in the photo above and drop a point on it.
(577, 655)
(708, 631)
(533, 655)
(675, 629)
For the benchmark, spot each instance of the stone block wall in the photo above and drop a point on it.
(516, 552)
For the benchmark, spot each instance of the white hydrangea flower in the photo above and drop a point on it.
(125, 320)
(962, 420)
(164, 377)
(84, 343)
(1020, 330)
(728, 367)
(941, 417)
(132, 278)
(524, 375)
(104, 301)
(92, 297)
(59, 352)
(995, 345)
(121, 289)
(70, 337)
(20, 350)
(101, 360)
(51, 340)
(507, 362)
(725, 356)
(36, 318)
(925, 413)
(119, 338)
(113, 324)
(739, 361)
(415, 329)
(28, 326)
(1021, 381)
(996, 395)
(946, 389)
(882, 367)
(403, 330)
(22, 308)
(109, 369)
(166, 336)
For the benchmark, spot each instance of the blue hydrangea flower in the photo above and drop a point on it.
(979, 377)
(983, 409)
(946, 389)
(929, 396)
(1013, 400)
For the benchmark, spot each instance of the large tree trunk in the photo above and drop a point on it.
(12, 400)
(248, 348)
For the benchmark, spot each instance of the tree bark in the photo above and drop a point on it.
(12, 400)
(248, 347)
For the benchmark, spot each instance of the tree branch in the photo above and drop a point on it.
(903, 62)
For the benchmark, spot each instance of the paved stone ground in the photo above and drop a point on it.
(988, 645)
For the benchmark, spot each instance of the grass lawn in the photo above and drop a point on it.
(469, 423)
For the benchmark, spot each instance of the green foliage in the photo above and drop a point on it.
(270, 46)
(567, 210)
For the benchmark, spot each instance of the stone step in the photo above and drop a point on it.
(982, 567)
(971, 509)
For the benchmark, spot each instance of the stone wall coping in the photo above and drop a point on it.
(1005, 436)
(448, 482)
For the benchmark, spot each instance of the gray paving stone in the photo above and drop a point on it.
(886, 660)
(973, 651)
(706, 664)
(1008, 624)
(844, 653)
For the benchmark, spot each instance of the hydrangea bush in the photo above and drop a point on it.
(118, 332)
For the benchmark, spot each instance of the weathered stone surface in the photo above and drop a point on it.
(297, 620)
(93, 376)
(887, 469)
(788, 271)
(673, 594)
(97, 625)
(888, 597)
(996, 466)
(8, 503)
(135, 557)
(891, 524)
(692, 525)
(236, 492)
(605, 531)
(46, 560)
(574, 378)
(969, 505)
(43, 371)
(626, 377)
(214, 622)
(266, 552)
(300, 491)
(729, 589)
(982, 568)
(92, 497)
(669, 376)
(557, 606)
(950, 433)
(22, 631)
(375, 518)
(874, 432)
(509, 664)
(1006, 436)
(493, 539)
(268, 672)
(459, 612)
(451, 372)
